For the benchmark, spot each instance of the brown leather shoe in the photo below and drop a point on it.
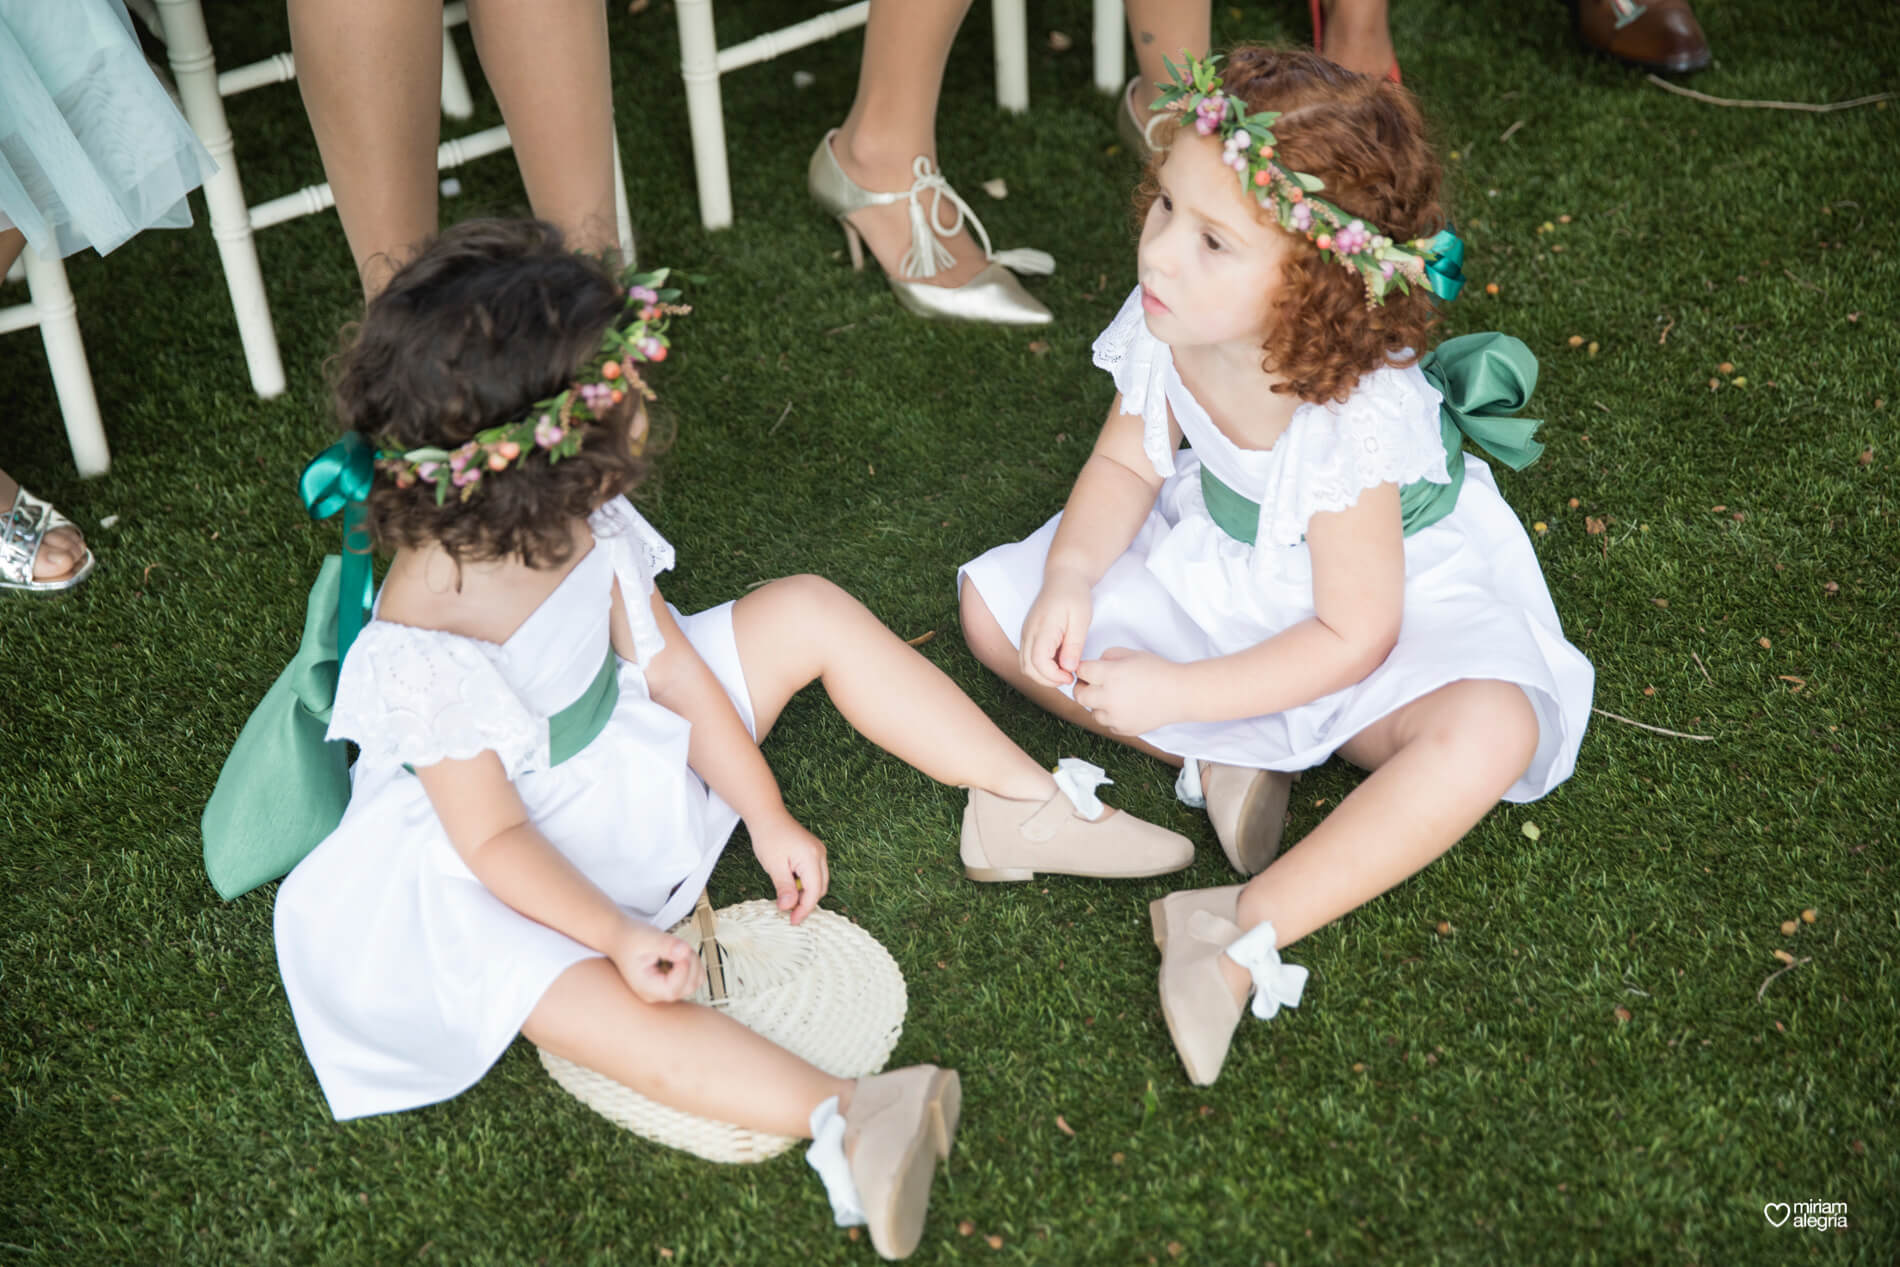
(1653, 34)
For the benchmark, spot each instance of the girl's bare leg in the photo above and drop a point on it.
(1161, 30)
(998, 654)
(682, 1055)
(804, 629)
(1438, 765)
(547, 62)
(894, 119)
(1358, 36)
(371, 76)
(64, 548)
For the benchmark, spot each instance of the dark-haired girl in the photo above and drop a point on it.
(552, 757)
(1323, 570)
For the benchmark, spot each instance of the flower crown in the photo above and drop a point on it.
(1248, 147)
(554, 426)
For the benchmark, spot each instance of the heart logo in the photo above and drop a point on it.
(1776, 1212)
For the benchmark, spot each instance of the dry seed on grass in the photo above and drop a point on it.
(1764, 643)
(1660, 602)
(966, 1228)
(1809, 916)
(1726, 367)
(1444, 928)
(1063, 1126)
(994, 1241)
(1575, 340)
(1784, 956)
(1622, 1015)
(1574, 503)
(1788, 927)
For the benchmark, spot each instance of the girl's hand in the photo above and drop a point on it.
(1053, 631)
(795, 859)
(1130, 692)
(658, 967)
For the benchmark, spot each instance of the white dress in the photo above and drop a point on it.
(1475, 601)
(407, 977)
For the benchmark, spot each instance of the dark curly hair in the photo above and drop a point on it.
(490, 317)
(1366, 139)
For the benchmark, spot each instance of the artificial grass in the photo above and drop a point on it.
(1467, 1095)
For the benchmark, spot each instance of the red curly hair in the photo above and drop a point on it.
(1366, 139)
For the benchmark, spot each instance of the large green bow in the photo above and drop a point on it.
(338, 480)
(1484, 379)
(1446, 272)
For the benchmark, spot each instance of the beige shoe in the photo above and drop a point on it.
(899, 1125)
(993, 295)
(1018, 840)
(1192, 928)
(1248, 810)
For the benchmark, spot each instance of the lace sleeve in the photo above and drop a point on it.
(639, 554)
(1385, 433)
(1140, 363)
(418, 696)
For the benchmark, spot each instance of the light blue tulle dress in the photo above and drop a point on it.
(92, 150)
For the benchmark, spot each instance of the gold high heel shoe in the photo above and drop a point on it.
(993, 295)
(1137, 134)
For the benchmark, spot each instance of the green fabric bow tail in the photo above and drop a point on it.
(284, 786)
(1484, 379)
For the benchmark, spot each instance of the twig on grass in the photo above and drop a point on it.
(1787, 967)
(1804, 281)
(1511, 131)
(1703, 667)
(1805, 106)
(1664, 336)
(783, 415)
(1627, 721)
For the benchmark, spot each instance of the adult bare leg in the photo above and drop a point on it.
(1163, 30)
(547, 62)
(894, 119)
(371, 76)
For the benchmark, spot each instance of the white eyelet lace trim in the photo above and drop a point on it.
(1139, 364)
(419, 696)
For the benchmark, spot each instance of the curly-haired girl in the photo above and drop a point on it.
(552, 757)
(1323, 570)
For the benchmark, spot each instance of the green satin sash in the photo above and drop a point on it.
(1484, 379)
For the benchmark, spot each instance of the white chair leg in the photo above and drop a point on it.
(189, 49)
(1111, 70)
(623, 216)
(456, 102)
(699, 66)
(1011, 21)
(66, 355)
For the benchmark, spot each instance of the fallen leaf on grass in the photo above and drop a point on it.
(1726, 367)
(1809, 916)
(1784, 956)
(1359, 1066)
(1660, 602)
(994, 1241)
(1574, 503)
(1832, 587)
(1763, 643)
(1866, 457)
(1622, 1015)
(1039, 347)
(1175, 1249)
(1575, 340)
(1593, 525)
(1799, 683)
(1788, 927)
(1532, 830)
(998, 188)
(1060, 42)
(966, 1228)
(1064, 1127)
(1444, 928)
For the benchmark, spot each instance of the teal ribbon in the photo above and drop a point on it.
(1446, 273)
(338, 481)
(1484, 379)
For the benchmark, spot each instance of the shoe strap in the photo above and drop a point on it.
(23, 532)
(826, 1156)
(928, 255)
(1048, 819)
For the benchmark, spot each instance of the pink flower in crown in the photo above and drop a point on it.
(1352, 239)
(1388, 268)
(466, 477)
(1208, 114)
(1302, 217)
(427, 470)
(652, 349)
(645, 294)
(547, 433)
(462, 457)
(597, 396)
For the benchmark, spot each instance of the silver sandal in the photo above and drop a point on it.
(22, 533)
